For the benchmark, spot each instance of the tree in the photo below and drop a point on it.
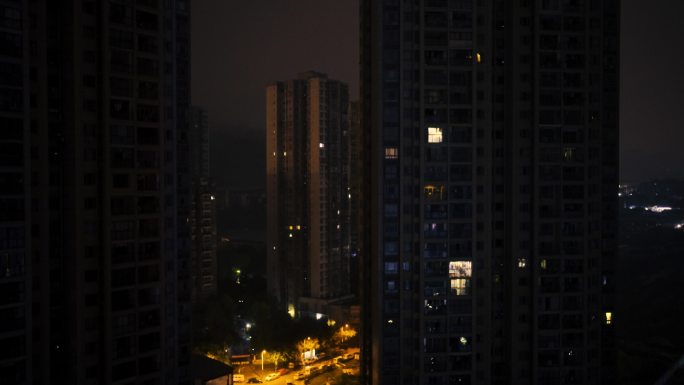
(272, 328)
(276, 357)
(306, 345)
(344, 333)
(213, 326)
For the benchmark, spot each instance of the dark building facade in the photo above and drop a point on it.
(308, 192)
(203, 215)
(96, 246)
(493, 137)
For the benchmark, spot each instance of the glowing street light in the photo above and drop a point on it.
(262, 360)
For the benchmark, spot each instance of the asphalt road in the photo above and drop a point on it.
(250, 371)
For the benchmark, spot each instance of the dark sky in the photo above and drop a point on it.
(239, 46)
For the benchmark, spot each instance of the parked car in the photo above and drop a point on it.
(238, 378)
(254, 380)
(272, 376)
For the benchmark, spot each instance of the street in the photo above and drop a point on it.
(319, 378)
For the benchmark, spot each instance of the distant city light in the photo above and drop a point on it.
(321, 145)
(658, 209)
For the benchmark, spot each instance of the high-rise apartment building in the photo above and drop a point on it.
(493, 129)
(308, 192)
(95, 247)
(203, 216)
(15, 211)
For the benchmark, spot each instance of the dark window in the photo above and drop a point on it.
(11, 44)
(146, 20)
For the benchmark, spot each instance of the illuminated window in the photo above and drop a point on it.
(568, 153)
(460, 269)
(460, 286)
(321, 145)
(479, 57)
(391, 153)
(522, 262)
(434, 192)
(434, 135)
(542, 264)
(609, 318)
(460, 273)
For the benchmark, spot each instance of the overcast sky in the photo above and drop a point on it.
(240, 46)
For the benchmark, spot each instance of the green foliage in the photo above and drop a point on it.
(272, 328)
(213, 327)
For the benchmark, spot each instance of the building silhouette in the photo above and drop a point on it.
(95, 249)
(492, 133)
(203, 214)
(308, 193)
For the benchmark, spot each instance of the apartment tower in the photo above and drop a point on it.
(203, 215)
(308, 192)
(95, 247)
(493, 137)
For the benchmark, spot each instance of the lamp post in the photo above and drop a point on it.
(262, 360)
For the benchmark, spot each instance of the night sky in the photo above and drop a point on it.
(238, 47)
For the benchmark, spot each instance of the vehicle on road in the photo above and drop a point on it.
(238, 378)
(254, 380)
(272, 376)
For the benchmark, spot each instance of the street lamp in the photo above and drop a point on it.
(262, 359)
